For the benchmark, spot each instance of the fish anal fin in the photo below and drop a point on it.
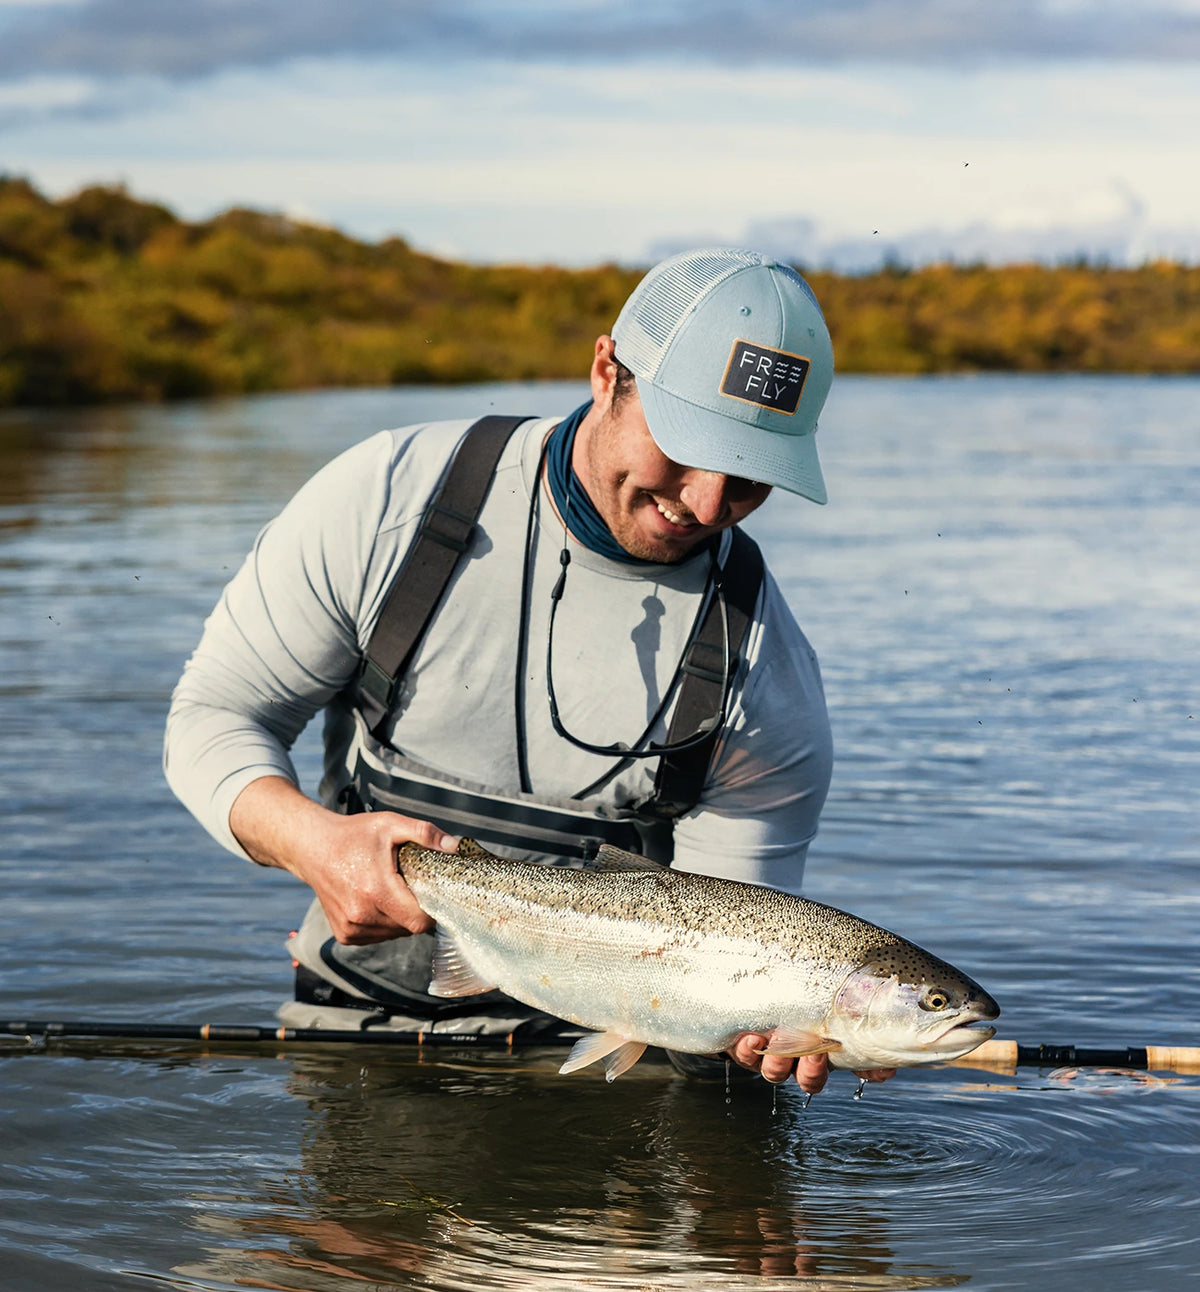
(611, 858)
(795, 1042)
(622, 1059)
(599, 1045)
(453, 975)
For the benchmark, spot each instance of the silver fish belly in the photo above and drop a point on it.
(644, 955)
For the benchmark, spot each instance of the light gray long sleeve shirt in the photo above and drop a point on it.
(291, 627)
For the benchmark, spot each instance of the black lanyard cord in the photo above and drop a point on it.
(643, 747)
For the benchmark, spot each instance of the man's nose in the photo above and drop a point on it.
(703, 494)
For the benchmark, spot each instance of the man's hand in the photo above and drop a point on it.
(811, 1070)
(348, 861)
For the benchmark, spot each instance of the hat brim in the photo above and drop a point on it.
(709, 441)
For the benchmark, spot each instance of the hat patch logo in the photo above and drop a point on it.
(772, 379)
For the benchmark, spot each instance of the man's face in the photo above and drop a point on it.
(655, 508)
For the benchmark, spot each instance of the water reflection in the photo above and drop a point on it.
(507, 1176)
(1003, 596)
(497, 1174)
(240, 453)
(109, 460)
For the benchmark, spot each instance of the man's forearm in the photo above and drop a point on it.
(277, 823)
(348, 861)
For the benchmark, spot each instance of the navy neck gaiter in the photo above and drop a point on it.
(570, 497)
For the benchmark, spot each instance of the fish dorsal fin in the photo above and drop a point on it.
(795, 1042)
(618, 1052)
(617, 859)
(452, 974)
(469, 848)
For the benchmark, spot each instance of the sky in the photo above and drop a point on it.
(835, 133)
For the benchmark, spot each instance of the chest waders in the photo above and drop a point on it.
(395, 974)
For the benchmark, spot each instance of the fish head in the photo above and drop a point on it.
(903, 1006)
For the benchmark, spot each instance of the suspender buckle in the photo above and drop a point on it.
(449, 528)
(376, 688)
(707, 662)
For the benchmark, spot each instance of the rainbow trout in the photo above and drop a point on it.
(645, 955)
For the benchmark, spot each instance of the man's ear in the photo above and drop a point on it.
(604, 373)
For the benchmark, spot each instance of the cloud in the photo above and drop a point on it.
(1106, 225)
(508, 163)
(115, 38)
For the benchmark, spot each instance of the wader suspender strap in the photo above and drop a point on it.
(681, 776)
(445, 534)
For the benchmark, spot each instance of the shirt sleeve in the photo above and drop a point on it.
(282, 640)
(759, 810)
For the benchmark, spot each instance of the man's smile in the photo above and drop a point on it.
(674, 517)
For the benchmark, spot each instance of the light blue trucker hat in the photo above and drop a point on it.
(733, 363)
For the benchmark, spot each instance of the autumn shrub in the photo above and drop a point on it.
(105, 297)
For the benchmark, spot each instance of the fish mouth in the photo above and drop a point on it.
(962, 1038)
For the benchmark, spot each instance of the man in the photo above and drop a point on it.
(532, 709)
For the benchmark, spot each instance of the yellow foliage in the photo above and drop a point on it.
(103, 297)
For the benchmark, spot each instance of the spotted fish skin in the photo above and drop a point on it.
(645, 955)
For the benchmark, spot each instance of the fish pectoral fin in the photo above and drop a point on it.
(795, 1042)
(617, 859)
(618, 1052)
(453, 975)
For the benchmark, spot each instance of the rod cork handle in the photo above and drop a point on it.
(994, 1054)
(1173, 1058)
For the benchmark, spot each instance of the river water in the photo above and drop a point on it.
(1004, 593)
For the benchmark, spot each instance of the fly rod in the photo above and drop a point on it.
(991, 1054)
(1007, 1055)
(76, 1029)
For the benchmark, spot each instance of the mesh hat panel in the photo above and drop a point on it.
(733, 361)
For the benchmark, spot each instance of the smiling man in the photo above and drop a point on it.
(547, 633)
(657, 510)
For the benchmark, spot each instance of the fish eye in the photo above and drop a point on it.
(934, 999)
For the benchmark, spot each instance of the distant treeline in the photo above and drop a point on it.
(104, 297)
